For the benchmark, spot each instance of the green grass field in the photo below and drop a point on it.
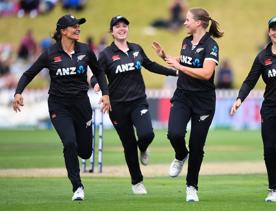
(42, 149)
(217, 193)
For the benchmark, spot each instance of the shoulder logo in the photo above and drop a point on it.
(214, 51)
(80, 57)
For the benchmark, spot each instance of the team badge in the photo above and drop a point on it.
(267, 61)
(135, 54)
(116, 57)
(80, 57)
(57, 59)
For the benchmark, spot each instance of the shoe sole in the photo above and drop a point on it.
(191, 201)
(78, 199)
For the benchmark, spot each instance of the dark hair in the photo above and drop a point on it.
(204, 17)
(57, 36)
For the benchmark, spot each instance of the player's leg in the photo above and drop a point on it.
(82, 114)
(269, 142)
(180, 114)
(63, 123)
(121, 120)
(141, 119)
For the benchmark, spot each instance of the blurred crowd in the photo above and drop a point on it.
(33, 8)
(15, 60)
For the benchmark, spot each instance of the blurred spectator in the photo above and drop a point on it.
(73, 4)
(45, 43)
(28, 47)
(177, 10)
(8, 7)
(90, 42)
(46, 6)
(102, 43)
(28, 7)
(225, 76)
(7, 79)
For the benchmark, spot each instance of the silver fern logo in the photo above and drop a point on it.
(203, 117)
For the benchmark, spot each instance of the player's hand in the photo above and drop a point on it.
(172, 61)
(159, 50)
(105, 103)
(96, 88)
(17, 102)
(235, 106)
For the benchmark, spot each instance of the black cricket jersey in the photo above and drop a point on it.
(68, 73)
(194, 56)
(264, 65)
(123, 70)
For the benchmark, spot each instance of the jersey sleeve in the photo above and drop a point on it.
(28, 75)
(98, 72)
(212, 52)
(251, 79)
(155, 67)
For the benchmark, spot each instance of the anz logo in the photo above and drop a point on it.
(186, 59)
(71, 71)
(128, 67)
(189, 60)
(271, 73)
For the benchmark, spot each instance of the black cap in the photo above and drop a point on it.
(68, 20)
(272, 22)
(118, 19)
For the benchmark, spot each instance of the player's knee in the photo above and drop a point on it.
(175, 137)
(147, 137)
(85, 154)
(69, 145)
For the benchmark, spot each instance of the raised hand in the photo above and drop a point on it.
(159, 50)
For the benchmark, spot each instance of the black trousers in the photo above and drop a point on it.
(199, 108)
(72, 121)
(269, 143)
(125, 117)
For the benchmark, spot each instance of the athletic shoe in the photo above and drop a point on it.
(139, 188)
(78, 194)
(191, 194)
(176, 166)
(271, 197)
(144, 157)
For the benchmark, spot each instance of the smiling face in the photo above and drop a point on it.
(120, 31)
(190, 23)
(71, 32)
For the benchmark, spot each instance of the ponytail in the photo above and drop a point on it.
(214, 29)
(203, 16)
